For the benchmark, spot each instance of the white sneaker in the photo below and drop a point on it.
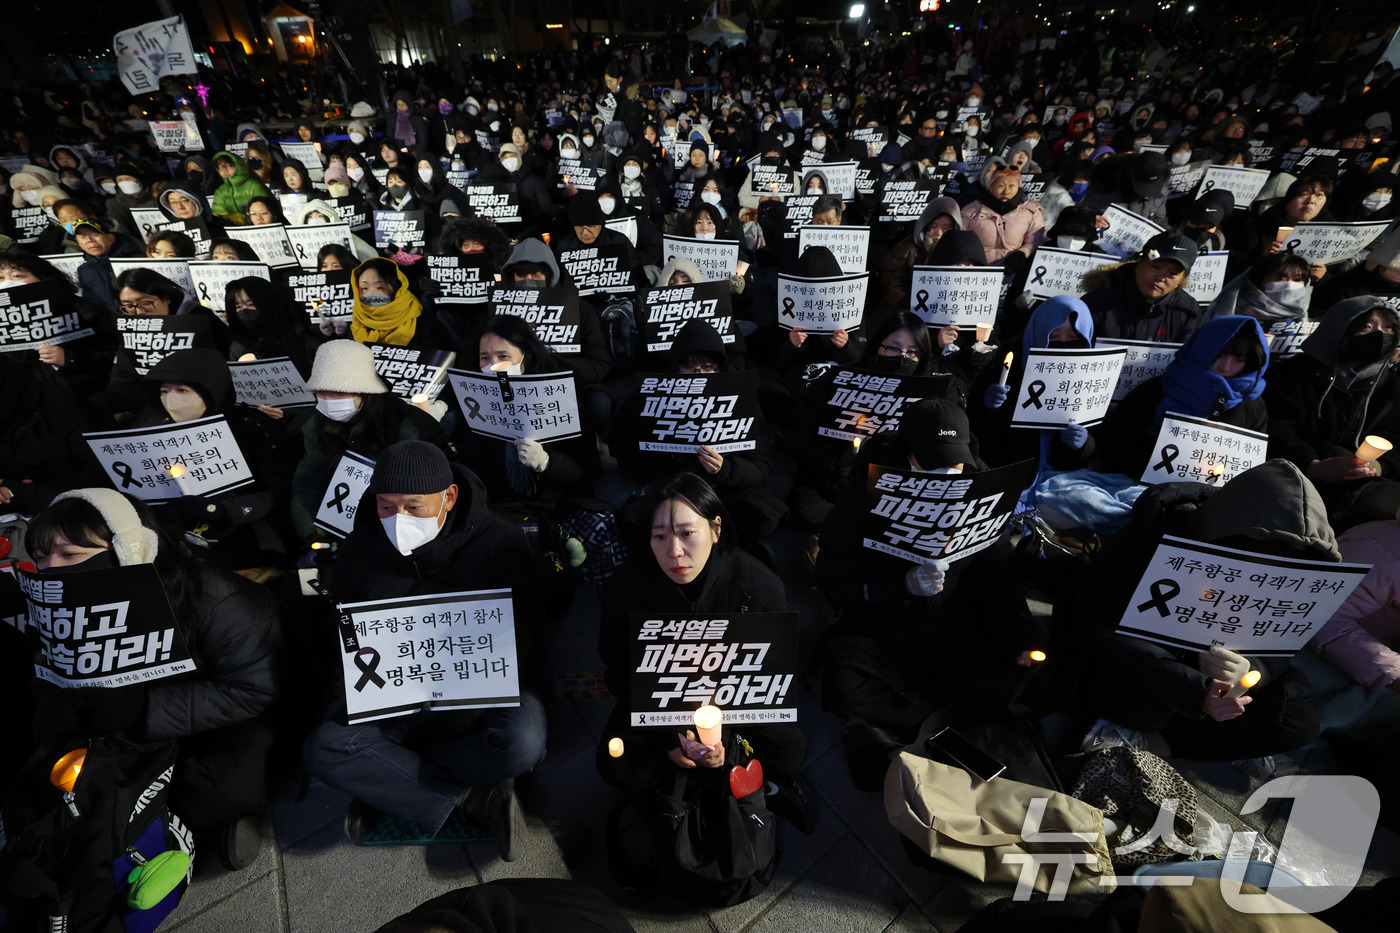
(1106, 734)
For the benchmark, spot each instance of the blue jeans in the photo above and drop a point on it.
(420, 766)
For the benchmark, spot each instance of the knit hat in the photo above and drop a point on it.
(132, 542)
(345, 366)
(701, 145)
(335, 172)
(411, 468)
(448, 206)
(361, 109)
(585, 212)
(937, 433)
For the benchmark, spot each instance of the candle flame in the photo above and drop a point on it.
(66, 770)
(856, 443)
(1250, 679)
(1038, 656)
(1006, 361)
(708, 717)
(615, 747)
(177, 470)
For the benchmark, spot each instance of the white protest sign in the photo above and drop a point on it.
(1195, 450)
(960, 295)
(850, 245)
(542, 407)
(67, 263)
(347, 486)
(138, 460)
(1208, 276)
(1306, 103)
(273, 381)
(152, 51)
(1126, 232)
(176, 270)
(306, 154)
(210, 280)
(293, 204)
(822, 305)
(1063, 386)
(718, 259)
(306, 240)
(1285, 338)
(627, 226)
(147, 220)
(1145, 360)
(443, 651)
(840, 177)
(269, 241)
(1329, 243)
(1194, 595)
(1243, 182)
(1061, 271)
(175, 135)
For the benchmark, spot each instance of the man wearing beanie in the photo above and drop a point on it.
(423, 528)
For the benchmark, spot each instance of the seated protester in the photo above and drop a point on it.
(1218, 374)
(1306, 200)
(1136, 182)
(242, 528)
(227, 249)
(1274, 289)
(264, 209)
(354, 411)
(184, 199)
(238, 187)
(423, 528)
(199, 172)
(635, 188)
(801, 349)
(1146, 298)
(334, 257)
(526, 470)
(1378, 274)
(133, 190)
(771, 155)
(169, 244)
(365, 186)
(222, 714)
(385, 309)
(614, 205)
(740, 477)
(84, 364)
(814, 182)
(101, 247)
(684, 272)
(1009, 226)
(959, 248)
(1021, 157)
(51, 239)
(264, 324)
(457, 326)
(1205, 218)
(913, 637)
(1372, 198)
(294, 179)
(316, 211)
(260, 163)
(1175, 702)
(402, 191)
(1074, 229)
(589, 229)
(1326, 399)
(536, 206)
(341, 187)
(42, 451)
(66, 213)
(1065, 191)
(941, 215)
(695, 567)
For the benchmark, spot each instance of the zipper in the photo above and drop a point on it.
(136, 857)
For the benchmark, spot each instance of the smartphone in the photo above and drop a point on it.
(951, 744)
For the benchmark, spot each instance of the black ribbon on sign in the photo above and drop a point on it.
(204, 291)
(124, 471)
(507, 393)
(1168, 461)
(301, 251)
(1162, 590)
(369, 669)
(788, 305)
(1039, 275)
(1210, 183)
(473, 408)
(922, 299)
(1033, 393)
(342, 492)
(1293, 244)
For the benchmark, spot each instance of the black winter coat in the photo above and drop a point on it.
(1120, 311)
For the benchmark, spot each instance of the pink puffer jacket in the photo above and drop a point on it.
(1020, 230)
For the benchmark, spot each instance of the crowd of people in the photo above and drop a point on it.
(1026, 150)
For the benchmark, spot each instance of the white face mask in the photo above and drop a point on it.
(588, 140)
(182, 406)
(1181, 158)
(513, 369)
(1070, 242)
(705, 236)
(30, 195)
(1282, 290)
(632, 172)
(129, 187)
(710, 197)
(408, 532)
(607, 205)
(109, 187)
(337, 409)
(493, 108)
(495, 126)
(357, 138)
(974, 101)
(945, 471)
(972, 130)
(1375, 200)
(569, 152)
(317, 219)
(356, 174)
(819, 143)
(886, 167)
(511, 165)
(337, 190)
(426, 174)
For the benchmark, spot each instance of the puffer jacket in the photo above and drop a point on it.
(1362, 636)
(1019, 230)
(1122, 313)
(232, 197)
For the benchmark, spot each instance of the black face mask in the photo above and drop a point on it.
(104, 561)
(899, 365)
(398, 191)
(256, 322)
(196, 176)
(1078, 343)
(255, 163)
(1367, 348)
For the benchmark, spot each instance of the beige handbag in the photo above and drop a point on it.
(978, 827)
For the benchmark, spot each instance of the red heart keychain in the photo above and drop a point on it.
(744, 781)
(4, 547)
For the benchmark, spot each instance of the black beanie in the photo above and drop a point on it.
(414, 468)
(585, 212)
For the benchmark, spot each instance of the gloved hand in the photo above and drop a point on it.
(532, 455)
(926, 579)
(996, 395)
(1223, 664)
(1074, 436)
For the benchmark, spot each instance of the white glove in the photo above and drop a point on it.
(1222, 664)
(926, 579)
(532, 454)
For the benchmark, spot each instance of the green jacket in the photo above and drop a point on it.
(233, 194)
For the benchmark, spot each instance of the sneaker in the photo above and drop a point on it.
(360, 818)
(239, 843)
(789, 801)
(496, 808)
(1107, 734)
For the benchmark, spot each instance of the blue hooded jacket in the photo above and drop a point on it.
(1192, 389)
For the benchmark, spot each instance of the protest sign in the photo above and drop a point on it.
(1286, 338)
(325, 296)
(924, 518)
(197, 230)
(865, 181)
(39, 314)
(772, 180)
(667, 310)
(1061, 271)
(1329, 243)
(353, 211)
(411, 372)
(269, 241)
(745, 663)
(306, 154)
(176, 270)
(176, 135)
(211, 279)
(904, 201)
(627, 226)
(797, 213)
(273, 381)
(496, 203)
(1207, 276)
(147, 220)
(151, 51)
(306, 240)
(103, 628)
(858, 404)
(406, 230)
(850, 245)
(1032, 187)
(138, 460)
(552, 312)
(874, 137)
(581, 175)
(717, 260)
(599, 270)
(684, 192)
(28, 222)
(461, 280)
(840, 178)
(1243, 182)
(67, 263)
(441, 651)
(1194, 595)
(540, 407)
(822, 305)
(1126, 232)
(1063, 386)
(679, 414)
(151, 338)
(1182, 178)
(344, 492)
(961, 295)
(1196, 450)
(1145, 360)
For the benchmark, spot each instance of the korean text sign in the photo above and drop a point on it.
(717, 260)
(138, 460)
(1063, 386)
(944, 295)
(860, 404)
(541, 407)
(667, 310)
(1195, 450)
(822, 305)
(552, 312)
(151, 338)
(1144, 361)
(347, 487)
(682, 413)
(411, 371)
(273, 381)
(1061, 271)
(37, 314)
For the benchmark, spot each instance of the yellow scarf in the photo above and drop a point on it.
(393, 323)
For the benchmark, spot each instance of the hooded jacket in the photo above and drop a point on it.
(909, 252)
(308, 187)
(1241, 296)
(42, 451)
(1018, 230)
(274, 328)
(593, 364)
(192, 191)
(362, 249)
(1121, 312)
(233, 194)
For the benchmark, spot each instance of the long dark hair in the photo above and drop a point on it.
(148, 282)
(700, 496)
(897, 320)
(41, 269)
(518, 332)
(382, 414)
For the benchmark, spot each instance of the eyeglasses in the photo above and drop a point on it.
(139, 306)
(912, 353)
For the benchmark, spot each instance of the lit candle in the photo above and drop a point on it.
(1372, 447)
(855, 444)
(742, 267)
(177, 473)
(708, 723)
(566, 179)
(615, 748)
(247, 358)
(1005, 369)
(1215, 473)
(1247, 681)
(983, 332)
(1038, 656)
(1282, 234)
(421, 401)
(65, 775)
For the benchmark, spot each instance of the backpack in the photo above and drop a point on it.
(693, 839)
(61, 872)
(619, 319)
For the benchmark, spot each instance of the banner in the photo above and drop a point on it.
(858, 404)
(412, 372)
(1144, 361)
(745, 663)
(1196, 450)
(102, 628)
(1063, 386)
(138, 460)
(923, 518)
(441, 651)
(1061, 271)
(39, 314)
(822, 305)
(210, 280)
(1329, 243)
(306, 241)
(680, 414)
(152, 51)
(797, 213)
(67, 263)
(1244, 183)
(904, 201)
(850, 245)
(666, 310)
(406, 230)
(1285, 338)
(176, 136)
(1194, 595)
(1126, 233)
(496, 203)
(1208, 276)
(718, 260)
(307, 155)
(552, 312)
(151, 338)
(273, 381)
(176, 270)
(771, 180)
(269, 241)
(347, 487)
(461, 280)
(961, 295)
(542, 407)
(575, 172)
(602, 269)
